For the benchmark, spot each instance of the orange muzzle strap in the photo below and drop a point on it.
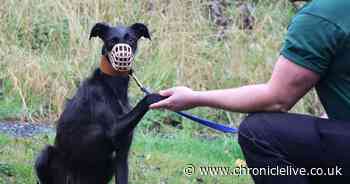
(108, 69)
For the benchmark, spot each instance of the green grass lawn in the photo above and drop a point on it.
(153, 158)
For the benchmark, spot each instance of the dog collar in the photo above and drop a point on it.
(108, 69)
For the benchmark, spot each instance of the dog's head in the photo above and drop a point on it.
(127, 36)
(112, 35)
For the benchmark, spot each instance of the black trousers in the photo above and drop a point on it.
(284, 140)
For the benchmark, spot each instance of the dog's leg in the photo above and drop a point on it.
(122, 168)
(121, 161)
(121, 135)
(42, 164)
(128, 122)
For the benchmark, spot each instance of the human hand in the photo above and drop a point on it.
(179, 98)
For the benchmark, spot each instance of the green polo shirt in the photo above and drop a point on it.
(318, 39)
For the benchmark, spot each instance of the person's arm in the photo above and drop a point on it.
(309, 48)
(288, 83)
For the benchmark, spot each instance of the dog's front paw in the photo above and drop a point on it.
(154, 98)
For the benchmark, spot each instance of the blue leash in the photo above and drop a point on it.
(208, 123)
(205, 122)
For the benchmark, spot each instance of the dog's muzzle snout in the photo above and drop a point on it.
(121, 57)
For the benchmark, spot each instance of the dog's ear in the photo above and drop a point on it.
(100, 29)
(43, 164)
(140, 30)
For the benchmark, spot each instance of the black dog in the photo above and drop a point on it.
(94, 132)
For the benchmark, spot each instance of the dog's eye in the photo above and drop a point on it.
(115, 40)
(130, 40)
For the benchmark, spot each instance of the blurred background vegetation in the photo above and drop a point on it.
(45, 53)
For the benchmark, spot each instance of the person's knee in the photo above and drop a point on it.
(250, 124)
(258, 140)
(253, 127)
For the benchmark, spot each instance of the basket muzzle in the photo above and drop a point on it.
(121, 57)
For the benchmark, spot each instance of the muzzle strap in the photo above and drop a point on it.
(108, 69)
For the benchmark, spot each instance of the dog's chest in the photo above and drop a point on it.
(120, 106)
(115, 93)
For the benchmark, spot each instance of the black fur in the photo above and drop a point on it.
(94, 132)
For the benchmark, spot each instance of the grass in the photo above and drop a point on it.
(45, 51)
(153, 158)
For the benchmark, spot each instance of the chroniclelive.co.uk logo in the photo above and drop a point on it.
(191, 169)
